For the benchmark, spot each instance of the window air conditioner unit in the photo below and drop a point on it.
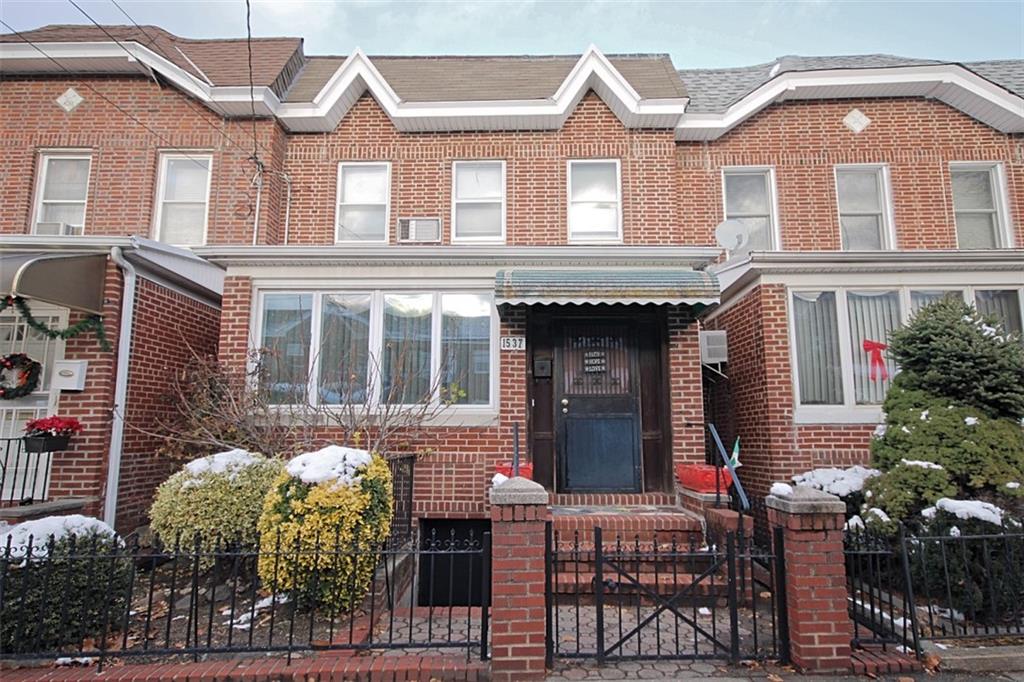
(713, 347)
(62, 229)
(423, 230)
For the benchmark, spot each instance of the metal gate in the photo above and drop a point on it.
(617, 598)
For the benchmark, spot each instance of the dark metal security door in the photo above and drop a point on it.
(597, 410)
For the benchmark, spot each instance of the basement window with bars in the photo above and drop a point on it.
(378, 347)
(62, 192)
(978, 202)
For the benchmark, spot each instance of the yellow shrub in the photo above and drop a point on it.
(317, 539)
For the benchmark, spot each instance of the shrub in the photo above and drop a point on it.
(214, 497)
(906, 489)
(73, 584)
(951, 351)
(321, 520)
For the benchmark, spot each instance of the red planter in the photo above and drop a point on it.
(701, 477)
(525, 469)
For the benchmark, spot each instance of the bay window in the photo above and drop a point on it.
(978, 205)
(864, 221)
(378, 347)
(61, 193)
(595, 201)
(478, 201)
(364, 191)
(816, 336)
(872, 315)
(750, 199)
(1003, 305)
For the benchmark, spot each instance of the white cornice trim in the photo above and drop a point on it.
(953, 84)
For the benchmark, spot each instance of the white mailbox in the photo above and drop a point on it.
(69, 375)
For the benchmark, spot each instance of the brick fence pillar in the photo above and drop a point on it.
(519, 512)
(819, 625)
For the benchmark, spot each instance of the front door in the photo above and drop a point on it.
(597, 407)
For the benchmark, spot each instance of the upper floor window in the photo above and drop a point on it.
(62, 192)
(750, 199)
(183, 198)
(977, 206)
(478, 201)
(595, 201)
(864, 220)
(364, 191)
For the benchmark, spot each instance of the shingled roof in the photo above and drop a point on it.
(715, 90)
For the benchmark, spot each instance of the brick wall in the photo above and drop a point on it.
(170, 329)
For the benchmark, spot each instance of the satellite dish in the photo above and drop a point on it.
(732, 235)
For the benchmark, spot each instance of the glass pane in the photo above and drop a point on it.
(66, 179)
(465, 348)
(186, 179)
(344, 348)
(858, 191)
(921, 298)
(182, 224)
(364, 185)
(593, 220)
(976, 230)
(405, 365)
(594, 182)
(817, 348)
(872, 317)
(759, 235)
(972, 190)
(362, 223)
(287, 319)
(478, 181)
(861, 232)
(746, 193)
(1002, 305)
(72, 214)
(478, 220)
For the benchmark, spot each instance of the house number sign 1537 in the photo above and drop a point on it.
(513, 343)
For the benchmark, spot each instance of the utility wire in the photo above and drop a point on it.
(106, 99)
(252, 88)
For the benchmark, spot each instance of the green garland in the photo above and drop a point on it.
(93, 322)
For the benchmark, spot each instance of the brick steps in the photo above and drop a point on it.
(876, 661)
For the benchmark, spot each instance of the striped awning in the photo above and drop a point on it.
(592, 286)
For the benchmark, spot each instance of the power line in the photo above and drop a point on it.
(252, 88)
(106, 99)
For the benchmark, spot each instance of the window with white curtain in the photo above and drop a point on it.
(183, 198)
(977, 205)
(595, 203)
(378, 347)
(1003, 305)
(749, 198)
(816, 335)
(872, 315)
(478, 201)
(61, 194)
(863, 210)
(364, 191)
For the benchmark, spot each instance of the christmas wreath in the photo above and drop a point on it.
(25, 372)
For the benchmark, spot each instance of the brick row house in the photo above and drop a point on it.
(537, 243)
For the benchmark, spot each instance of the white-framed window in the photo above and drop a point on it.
(364, 201)
(595, 200)
(62, 191)
(183, 198)
(379, 347)
(979, 205)
(478, 201)
(840, 373)
(748, 195)
(865, 211)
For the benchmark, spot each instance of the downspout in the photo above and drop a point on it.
(258, 181)
(124, 346)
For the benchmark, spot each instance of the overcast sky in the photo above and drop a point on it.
(696, 34)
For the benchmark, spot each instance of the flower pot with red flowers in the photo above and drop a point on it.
(50, 434)
(702, 477)
(525, 469)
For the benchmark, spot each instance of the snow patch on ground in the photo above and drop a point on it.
(229, 462)
(971, 509)
(333, 464)
(781, 490)
(920, 463)
(836, 481)
(40, 531)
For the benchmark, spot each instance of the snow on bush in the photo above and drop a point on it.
(970, 509)
(920, 463)
(40, 532)
(230, 463)
(334, 463)
(841, 482)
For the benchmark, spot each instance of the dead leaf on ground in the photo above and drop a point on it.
(772, 677)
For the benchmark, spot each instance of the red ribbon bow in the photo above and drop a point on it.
(876, 367)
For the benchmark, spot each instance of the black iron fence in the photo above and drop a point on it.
(24, 475)
(907, 588)
(403, 476)
(614, 598)
(102, 599)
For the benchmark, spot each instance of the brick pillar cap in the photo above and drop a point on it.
(519, 490)
(807, 500)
